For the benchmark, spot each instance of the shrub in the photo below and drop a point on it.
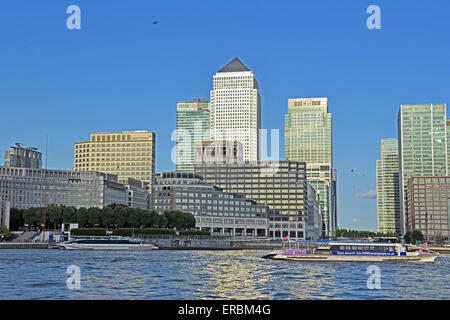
(4, 233)
(88, 232)
(127, 232)
(194, 233)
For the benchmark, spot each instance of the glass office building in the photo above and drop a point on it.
(422, 134)
(388, 195)
(308, 139)
(23, 157)
(193, 119)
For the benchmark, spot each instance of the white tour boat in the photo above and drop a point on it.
(106, 243)
(336, 251)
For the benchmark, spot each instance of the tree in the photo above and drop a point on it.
(69, 214)
(154, 218)
(94, 216)
(133, 218)
(16, 220)
(108, 217)
(144, 217)
(162, 221)
(413, 237)
(82, 217)
(189, 221)
(29, 216)
(5, 234)
(55, 215)
(121, 216)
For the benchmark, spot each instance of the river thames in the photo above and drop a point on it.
(179, 275)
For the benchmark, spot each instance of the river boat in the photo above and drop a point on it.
(333, 251)
(106, 243)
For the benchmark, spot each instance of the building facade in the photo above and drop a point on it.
(218, 152)
(214, 210)
(137, 193)
(308, 138)
(23, 157)
(236, 108)
(25, 188)
(388, 194)
(193, 124)
(281, 185)
(128, 154)
(428, 204)
(422, 139)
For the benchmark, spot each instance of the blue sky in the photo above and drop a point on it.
(121, 72)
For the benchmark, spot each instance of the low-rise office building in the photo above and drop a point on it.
(281, 185)
(24, 188)
(428, 205)
(137, 193)
(214, 210)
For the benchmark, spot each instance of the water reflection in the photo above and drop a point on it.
(235, 277)
(41, 274)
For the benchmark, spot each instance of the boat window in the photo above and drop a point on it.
(372, 248)
(354, 247)
(360, 248)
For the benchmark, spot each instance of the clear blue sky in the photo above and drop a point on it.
(121, 72)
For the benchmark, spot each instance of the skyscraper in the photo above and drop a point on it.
(236, 108)
(388, 195)
(422, 134)
(128, 154)
(308, 139)
(193, 120)
(23, 157)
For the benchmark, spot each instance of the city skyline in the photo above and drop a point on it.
(366, 83)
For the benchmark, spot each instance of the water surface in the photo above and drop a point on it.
(41, 274)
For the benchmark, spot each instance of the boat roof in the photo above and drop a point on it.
(331, 242)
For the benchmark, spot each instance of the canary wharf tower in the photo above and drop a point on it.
(308, 139)
(236, 108)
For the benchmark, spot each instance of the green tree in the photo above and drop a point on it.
(5, 234)
(16, 220)
(144, 217)
(69, 214)
(133, 218)
(108, 217)
(40, 216)
(29, 216)
(189, 221)
(121, 216)
(55, 215)
(162, 221)
(94, 216)
(154, 218)
(82, 217)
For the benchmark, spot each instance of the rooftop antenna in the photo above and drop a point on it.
(198, 99)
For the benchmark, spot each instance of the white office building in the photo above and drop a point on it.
(236, 108)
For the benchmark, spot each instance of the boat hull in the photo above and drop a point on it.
(351, 258)
(107, 247)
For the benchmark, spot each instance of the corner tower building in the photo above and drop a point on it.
(236, 108)
(308, 139)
